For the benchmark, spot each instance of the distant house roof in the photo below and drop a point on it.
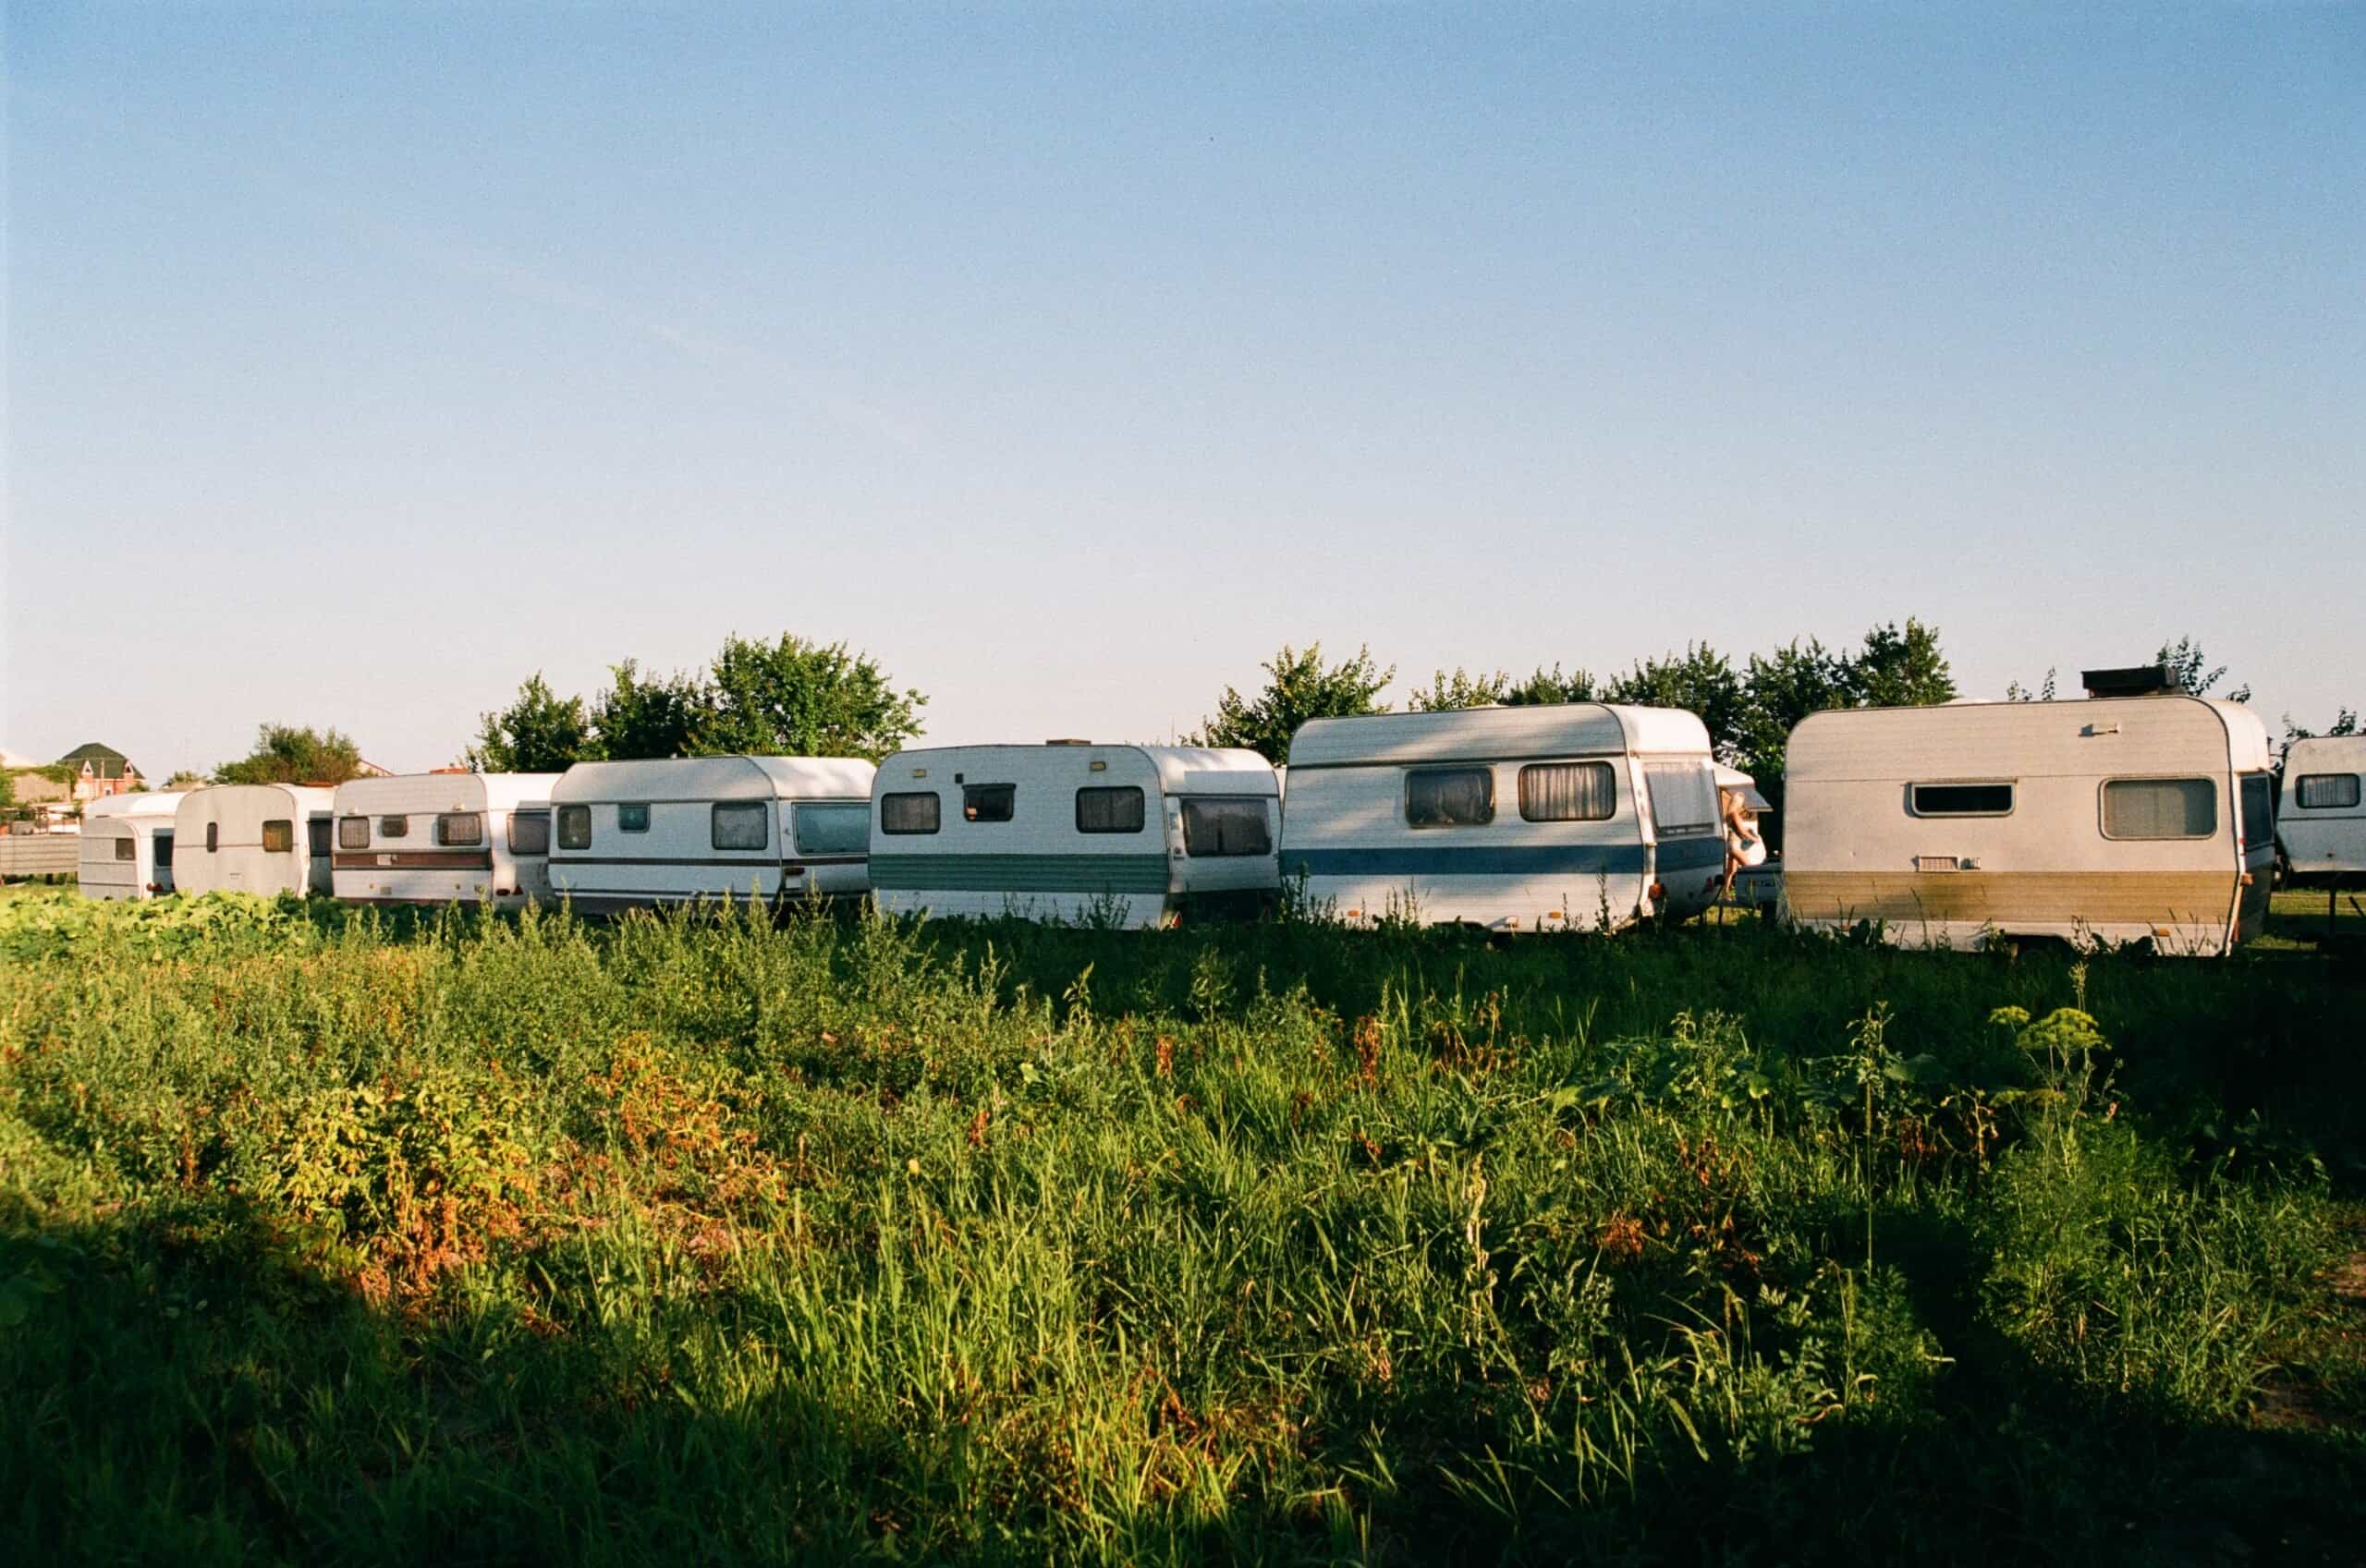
(105, 762)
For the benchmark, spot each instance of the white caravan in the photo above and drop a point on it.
(1568, 816)
(2114, 820)
(128, 846)
(2322, 823)
(438, 838)
(253, 838)
(1125, 835)
(670, 830)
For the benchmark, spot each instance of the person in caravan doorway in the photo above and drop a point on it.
(1745, 846)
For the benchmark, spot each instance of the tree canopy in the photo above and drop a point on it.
(788, 697)
(1300, 686)
(291, 754)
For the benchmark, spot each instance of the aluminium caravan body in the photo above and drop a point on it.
(127, 849)
(253, 838)
(2112, 819)
(1124, 836)
(442, 838)
(637, 834)
(1568, 816)
(2321, 823)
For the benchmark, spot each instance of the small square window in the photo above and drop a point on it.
(394, 827)
(279, 836)
(353, 832)
(741, 825)
(574, 827)
(1450, 798)
(632, 819)
(1109, 810)
(126, 850)
(913, 811)
(988, 803)
(461, 829)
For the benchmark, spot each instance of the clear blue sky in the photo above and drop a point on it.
(364, 359)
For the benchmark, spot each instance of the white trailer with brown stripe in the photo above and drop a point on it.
(632, 834)
(127, 849)
(2112, 819)
(444, 838)
(2322, 822)
(253, 838)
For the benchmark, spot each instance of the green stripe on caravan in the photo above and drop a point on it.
(1019, 873)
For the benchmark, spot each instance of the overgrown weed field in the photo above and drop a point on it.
(713, 1239)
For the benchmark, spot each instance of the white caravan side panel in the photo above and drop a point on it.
(2321, 823)
(442, 838)
(250, 838)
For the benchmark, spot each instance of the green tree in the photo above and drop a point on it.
(540, 732)
(797, 698)
(2344, 722)
(1699, 680)
(2192, 669)
(186, 778)
(287, 754)
(647, 716)
(1777, 692)
(1901, 668)
(1300, 686)
(1462, 689)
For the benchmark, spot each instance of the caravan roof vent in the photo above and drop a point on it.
(1062, 742)
(2139, 680)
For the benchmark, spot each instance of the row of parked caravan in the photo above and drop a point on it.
(2114, 819)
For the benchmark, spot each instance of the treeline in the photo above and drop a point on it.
(791, 697)
(788, 697)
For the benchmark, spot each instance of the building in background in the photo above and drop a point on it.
(100, 770)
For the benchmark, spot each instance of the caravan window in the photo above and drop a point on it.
(1684, 796)
(2259, 809)
(353, 832)
(912, 813)
(2326, 792)
(574, 827)
(740, 824)
(1450, 798)
(126, 850)
(837, 828)
(1568, 792)
(988, 803)
(1959, 799)
(633, 818)
(394, 827)
(1225, 827)
(459, 828)
(279, 836)
(530, 832)
(213, 837)
(2160, 809)
(1109, 810)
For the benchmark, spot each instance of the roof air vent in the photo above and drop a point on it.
(1066, 742)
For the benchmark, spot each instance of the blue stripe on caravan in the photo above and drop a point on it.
(1467, 860)
(1692, 854)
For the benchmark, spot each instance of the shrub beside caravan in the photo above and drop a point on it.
(438, 838)
(1569, 816)
(2321, 824)
(2113, 819)
(1127, 836)
(671, 830)
(127, 849)
(254, 838)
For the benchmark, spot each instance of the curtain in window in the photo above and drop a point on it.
(353, 832)
(462, 828)
(1225, 827)
(2160, 809)
(1450, 798)
(1109, 810)
(1568, 792)
(915, 812)
(2327, 791)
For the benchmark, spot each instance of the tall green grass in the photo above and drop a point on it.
(704, 1238)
